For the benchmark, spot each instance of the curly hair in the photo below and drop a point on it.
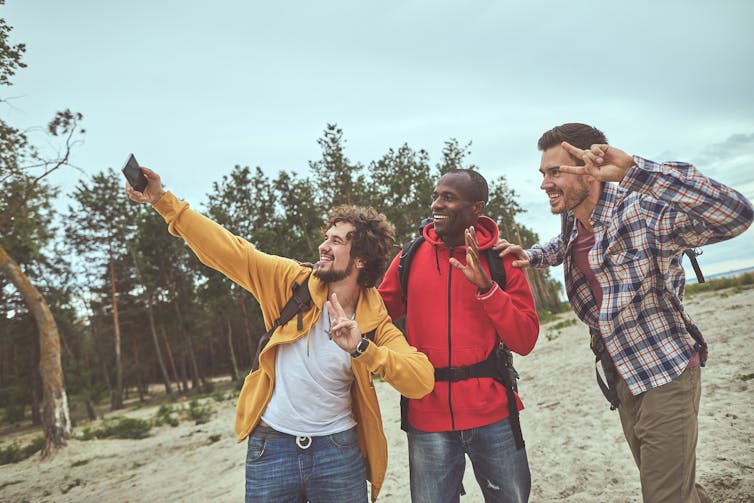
(371, 239)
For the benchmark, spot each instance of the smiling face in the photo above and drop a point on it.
(566, 192)
(453, 208)
(335, 262)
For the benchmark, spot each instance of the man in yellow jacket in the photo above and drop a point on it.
(310, 411)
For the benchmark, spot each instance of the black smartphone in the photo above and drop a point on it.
(134, 175)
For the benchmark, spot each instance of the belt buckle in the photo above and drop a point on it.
(303, 442)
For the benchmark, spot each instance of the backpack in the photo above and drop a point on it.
(601, 357)
(498, 365)
(299, 302)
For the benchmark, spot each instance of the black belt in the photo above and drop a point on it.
(485, 368)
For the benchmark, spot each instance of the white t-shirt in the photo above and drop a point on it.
(312, 395)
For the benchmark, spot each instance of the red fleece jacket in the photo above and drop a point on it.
(453, 326)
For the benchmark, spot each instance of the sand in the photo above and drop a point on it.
(574, 442)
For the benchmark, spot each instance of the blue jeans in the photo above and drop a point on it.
(437, 461)
(327, 469)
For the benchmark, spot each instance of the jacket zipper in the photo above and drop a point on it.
(450, 346)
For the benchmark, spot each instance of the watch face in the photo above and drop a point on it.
(363, 345)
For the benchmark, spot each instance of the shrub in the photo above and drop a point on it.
(119, 427)
(166, 414)
(740, 281)
(200, 414)
(13, 453)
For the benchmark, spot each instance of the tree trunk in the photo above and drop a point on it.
(150, 315)
(117, 402)
(56, 420)
(234, 364)
(140, 386)
(36, 417)
(90, 410)
(171, 361)
(187, 336)
(252, 348)
(160, 360)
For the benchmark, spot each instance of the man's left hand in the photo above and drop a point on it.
(601, 161)
(345, 331)
(473, 269)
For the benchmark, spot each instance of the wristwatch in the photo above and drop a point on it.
(363, 345)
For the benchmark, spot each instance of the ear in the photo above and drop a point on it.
(359, 263)
(478, 208)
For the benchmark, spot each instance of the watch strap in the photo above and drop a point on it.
(361, 348)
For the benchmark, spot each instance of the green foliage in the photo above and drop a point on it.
(10, 55)
(118, 427)
(14, 398)
(740, 281)
(166, 414)
(548, 315)
(554, 331)
(400, 185)
(194, 411)
(218, 396)
(13, 453)
(563, 324)
(198, 413)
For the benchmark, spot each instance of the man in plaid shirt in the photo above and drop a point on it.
(626, 224)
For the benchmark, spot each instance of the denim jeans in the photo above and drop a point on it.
(326, 469)
(437, 462)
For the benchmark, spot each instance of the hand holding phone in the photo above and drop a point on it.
(133, 174)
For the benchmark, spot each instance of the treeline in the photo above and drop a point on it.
(132, 304)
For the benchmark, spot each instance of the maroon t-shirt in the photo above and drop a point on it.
(584, 243)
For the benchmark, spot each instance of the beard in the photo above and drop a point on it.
(333, 275)
(576, 196)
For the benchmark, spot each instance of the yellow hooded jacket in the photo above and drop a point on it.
(270, 279)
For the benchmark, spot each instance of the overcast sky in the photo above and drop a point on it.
(194, 88)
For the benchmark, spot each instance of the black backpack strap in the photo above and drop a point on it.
(602, 358)
(692, 253)
(299, 303)
(497, 268)
(507, 374)
(404, 262)
(499, 366)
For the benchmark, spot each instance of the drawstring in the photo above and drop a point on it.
(309, 333)
(437, 260)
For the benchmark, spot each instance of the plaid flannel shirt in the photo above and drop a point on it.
(642, 227)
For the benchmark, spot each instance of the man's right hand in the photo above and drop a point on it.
(506, 248)
(152, 192)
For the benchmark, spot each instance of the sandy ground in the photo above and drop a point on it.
(574, 442)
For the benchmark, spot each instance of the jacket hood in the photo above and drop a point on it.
(486, 233)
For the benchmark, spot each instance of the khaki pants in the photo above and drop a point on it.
(660, 426)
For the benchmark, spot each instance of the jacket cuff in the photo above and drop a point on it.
(486, 295)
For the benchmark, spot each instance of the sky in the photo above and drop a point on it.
(194, 88)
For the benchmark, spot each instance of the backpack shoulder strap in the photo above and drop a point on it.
(297, 304)
(692, 253)
(404, 263)
(497, 269)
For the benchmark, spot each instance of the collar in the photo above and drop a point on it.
(603, 210)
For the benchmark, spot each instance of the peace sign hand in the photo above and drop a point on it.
(601, 161)
(473, 270)
(345, 331)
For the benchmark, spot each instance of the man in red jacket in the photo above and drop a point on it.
(457, 315)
